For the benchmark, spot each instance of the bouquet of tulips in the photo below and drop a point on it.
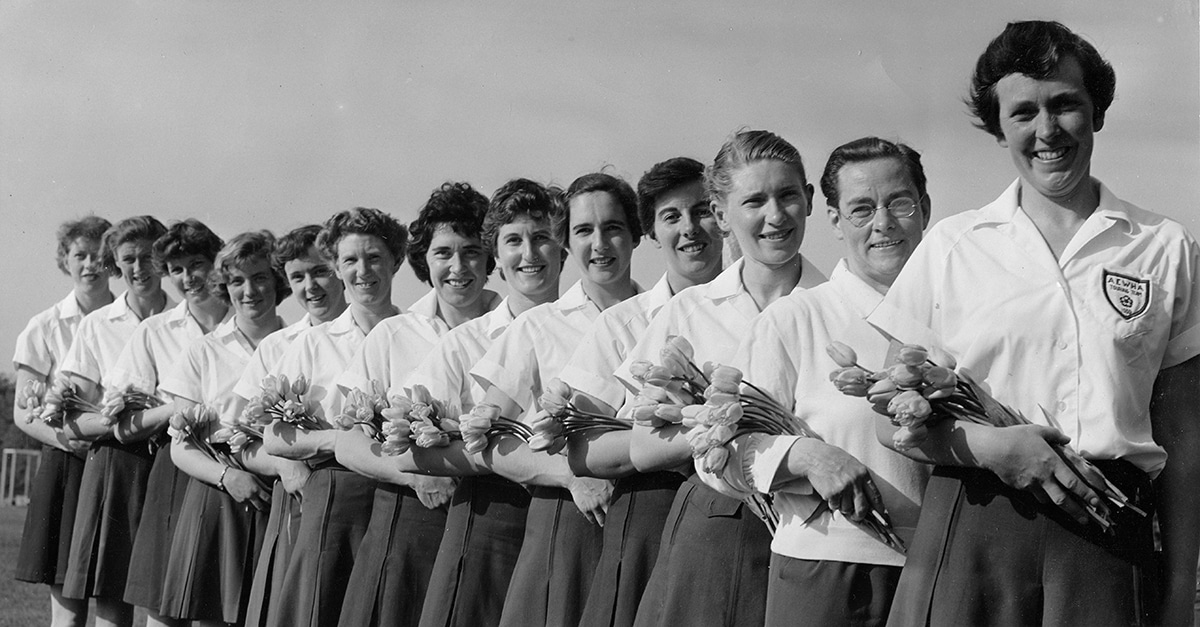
(129, 398)
(483, 422)
(283, 400)
(30, 397)
(61, 399)
(560, 417)
(915, 393)
(201, 427)
(421, 420)
(365, 409)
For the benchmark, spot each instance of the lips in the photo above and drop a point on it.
(458, 283)
(777, 236)
(602, 262)
(531, 269)
(886, 245)
(1049, 156)
(693, 248)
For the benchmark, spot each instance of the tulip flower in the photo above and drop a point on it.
(842, 354)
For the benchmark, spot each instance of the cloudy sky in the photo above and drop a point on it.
(276, 114)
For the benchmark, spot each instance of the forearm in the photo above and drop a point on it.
(286, 441)
(39, 430)
(365, 456)
(196, 463)
(88, 426)
(512, 459)
(665, 448)
(135, 426)
(260, 462)
(949, 443)
(444, 461)
(602, 455)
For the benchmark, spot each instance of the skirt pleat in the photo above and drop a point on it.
(111, 493)
(50, 518)
(212, 554)
(477, 555)
(152, 545)
(632, 534)
(712, 566)
(554, 570)
(395, 560)
(336, 507)
(278, 541)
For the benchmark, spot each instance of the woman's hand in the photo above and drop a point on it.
(843, 481)
(1023, 457)
(592, 497)
(293, 474)
(433, 492)
(245, 488)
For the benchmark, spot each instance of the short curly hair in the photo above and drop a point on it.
(661, 178)
(455, 205)
(129, 230)
(1035, 49)
(869, 149)
(87, 227)
(362, 221)
(611, 185)
(184, 238)
(520, 198)
(242, 249)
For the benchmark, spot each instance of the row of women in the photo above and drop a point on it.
(1069, 304)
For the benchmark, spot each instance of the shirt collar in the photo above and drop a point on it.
(119, 307)
(343, 324)
(574, 298)
(864, 297)
(69, 307)
(1004, 208)
(180, 313)
(658, 295)
(498, 319)
(729, 283)
(427, 305)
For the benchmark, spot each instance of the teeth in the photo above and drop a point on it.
(885, 244)
(530, 269)
(458, 282)
(1050, 155)
(692, 248)
(776, 236)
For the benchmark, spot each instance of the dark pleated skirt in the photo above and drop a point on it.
(478, 553)
(111, 494)
(830, 594)
(632, 534)
(554, 570)
(395, 561)
(712, 566)
(212, 555)
(152, 546)
(986, 554)
(336, 507)
(46, 540)
(278, 540)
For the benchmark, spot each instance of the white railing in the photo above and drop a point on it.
(17, 462)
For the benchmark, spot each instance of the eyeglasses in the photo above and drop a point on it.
(862, 214)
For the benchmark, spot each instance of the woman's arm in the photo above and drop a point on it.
(663, 448)
(87, 426)
(284, 440)
(36, 428)
(293, 474)
(136, 426)
(603, 455)
(241, 485)
(358, 452)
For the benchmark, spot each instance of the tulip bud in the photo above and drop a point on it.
(909, 408)
(912, 355)
(906, 376)
(842, 354)
(882, 391)
(715, 459)
(907, 437)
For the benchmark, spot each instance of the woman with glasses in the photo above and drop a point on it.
(824, 565)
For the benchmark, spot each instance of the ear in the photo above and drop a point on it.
(1097, 121)
(808, 192)
(657, 244)
(926, 212)
(835, 221)
(1001, 140)
(722, 220)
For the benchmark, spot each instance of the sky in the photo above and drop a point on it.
(273, 114)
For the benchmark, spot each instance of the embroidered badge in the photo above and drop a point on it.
(1129, 296)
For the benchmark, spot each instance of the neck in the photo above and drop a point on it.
(766, 284)
(208, 312)
(255, 329)
(454, 316)
(148, 305)
(368, 317)
(331, 313)
(519, 303)
(607, 295)
(92, 300)
(1058, 219)
(679, 281)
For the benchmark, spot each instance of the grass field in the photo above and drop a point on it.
(23, 604)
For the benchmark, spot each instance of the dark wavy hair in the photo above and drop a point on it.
(295, 244)
(87, 227)
(362, 221)
(129, 230)
(613, 186)
(184, 238)
(522, 198)
(869, 149)
(744, 148)
(456, 205)
(1035, 49)
(661, 178)
(242, 249)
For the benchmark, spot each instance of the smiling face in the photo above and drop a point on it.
(189, 276)
(529, 258)
(765, 209)
(85, 265)
(687, 231)
(1048, 126)
(599, 238)
(457, 268)
(251, 286)
(366, 267)
(135, 260)
(315, 285)
(877, 250)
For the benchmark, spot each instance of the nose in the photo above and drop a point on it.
(600, 240)
(773, 211)
(308, 283)
(882, 219)
(689, 224)
(1047, 124)
(528, 250)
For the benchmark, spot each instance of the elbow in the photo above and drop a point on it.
(577, 459)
